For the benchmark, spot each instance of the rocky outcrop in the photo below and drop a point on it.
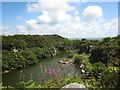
(91, 48)
(74, 85)
(82, 67)
(54, 51)
(14, 49)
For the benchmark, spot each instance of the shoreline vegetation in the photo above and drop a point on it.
(20, 51)
(98, 60)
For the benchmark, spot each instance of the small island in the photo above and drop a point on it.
(66, 61)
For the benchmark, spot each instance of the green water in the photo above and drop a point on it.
(12, 78)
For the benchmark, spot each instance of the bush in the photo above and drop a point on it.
(78, 59)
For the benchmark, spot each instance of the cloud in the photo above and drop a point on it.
(52, 11)
(111, 27)
(5, 30)
(18, 17)
(45, 18)
(20, 29)
(32, 24)
(33, 7)
(63, 16)
(77, 19)
(92, 12)
(76, 12)
(75, 29)
(55, 20)
(49, 5)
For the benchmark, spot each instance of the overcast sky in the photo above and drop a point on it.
(69, 19)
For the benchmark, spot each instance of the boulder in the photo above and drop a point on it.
(74, 85)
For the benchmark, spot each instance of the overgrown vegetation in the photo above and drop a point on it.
(20, 51)
(101, 59)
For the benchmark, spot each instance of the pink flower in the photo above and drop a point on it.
(8, 86)
(45, 70)
(50, 71)
(53, 71)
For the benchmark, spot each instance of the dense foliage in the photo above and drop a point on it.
(107, 51)
(22, 50)
(100, 57)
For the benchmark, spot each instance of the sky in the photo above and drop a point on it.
(68, 19)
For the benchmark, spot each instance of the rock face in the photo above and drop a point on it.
(54, 51)
(74, 85)
(91, 48)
